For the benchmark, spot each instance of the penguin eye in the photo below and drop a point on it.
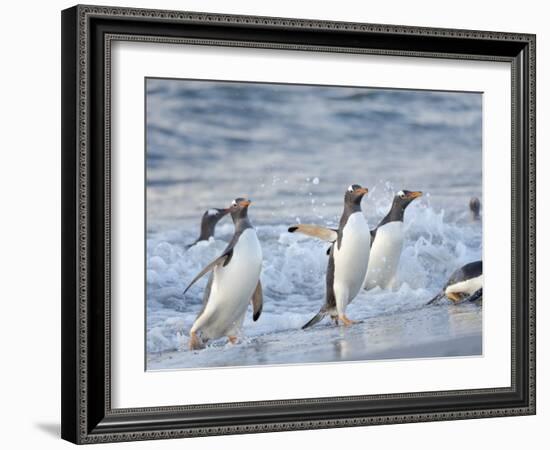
(233, 203)
(350, 189)
(401, 194)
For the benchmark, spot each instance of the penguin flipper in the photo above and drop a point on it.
(257, 302)
(223, 259)
(318, 317)
(476, 296)
(436, 298)
(325, 234)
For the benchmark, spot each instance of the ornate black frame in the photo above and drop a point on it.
(87, 32)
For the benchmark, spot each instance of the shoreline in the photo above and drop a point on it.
(460, 347)
(401, 336)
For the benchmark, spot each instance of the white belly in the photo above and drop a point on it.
(465, 287)
(232, 289)
(384, 255)
(351, 260)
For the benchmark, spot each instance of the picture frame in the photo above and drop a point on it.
(87, 366)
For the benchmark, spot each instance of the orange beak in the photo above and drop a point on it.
(245, 203)
(362, 190)
(415, 194)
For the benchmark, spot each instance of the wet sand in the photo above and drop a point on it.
(447, 331)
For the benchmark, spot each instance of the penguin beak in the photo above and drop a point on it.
(245, 203)
(362, 191)
(415, 194)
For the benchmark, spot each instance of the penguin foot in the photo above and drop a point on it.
(455, 298)
(335, 319)
(195, 342)
(347, 322)
(232, 339)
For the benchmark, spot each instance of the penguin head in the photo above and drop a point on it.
(213, 215)
(403, 198)
(209, 220)
(239, 208)
(354, 194)
(475, 206)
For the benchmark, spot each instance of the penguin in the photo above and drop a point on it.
(465, 283)
(233, 283)
(209, 220)
(387, 242)
(348, 257)
(475, 206)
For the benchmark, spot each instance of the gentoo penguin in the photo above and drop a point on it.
(464, 284)
(234, 282)
(475, 206)
(209, 220)
(348, 256)
(387, 242)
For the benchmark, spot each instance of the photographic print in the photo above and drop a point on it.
(298, 224)
(299, 199)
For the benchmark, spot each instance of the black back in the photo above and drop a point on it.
(466, 272)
